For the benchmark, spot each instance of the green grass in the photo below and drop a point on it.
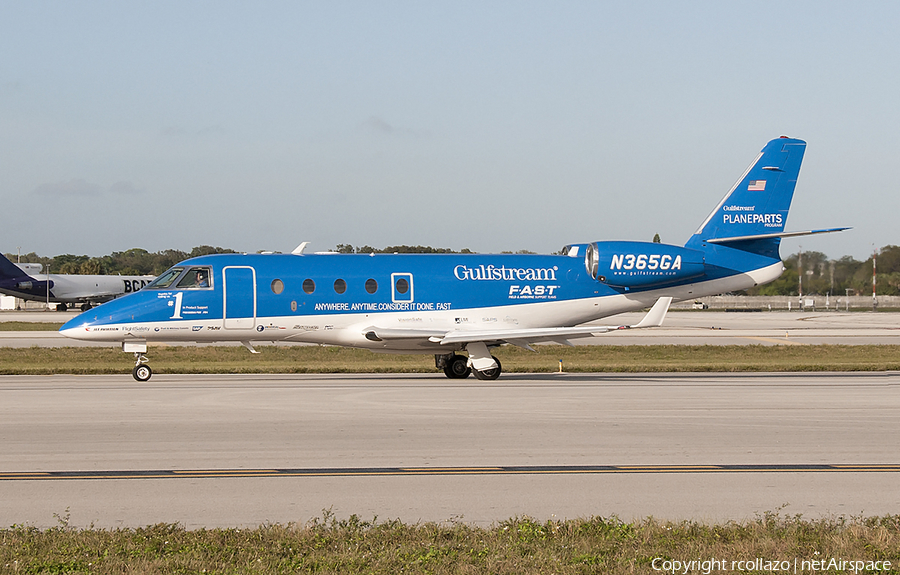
(29, 326)
(514, 546)
(589, 358)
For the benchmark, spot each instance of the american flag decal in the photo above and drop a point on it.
(756, 186)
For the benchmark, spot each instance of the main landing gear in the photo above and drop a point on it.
(489, 374)
(456, 366)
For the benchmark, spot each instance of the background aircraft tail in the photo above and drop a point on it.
(9, 270)
(752, 216)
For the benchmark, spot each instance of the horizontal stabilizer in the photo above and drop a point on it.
(776, 235)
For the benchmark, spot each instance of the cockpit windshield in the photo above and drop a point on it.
(196, 277)
(165, 280)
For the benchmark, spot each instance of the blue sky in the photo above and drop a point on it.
(489, 126)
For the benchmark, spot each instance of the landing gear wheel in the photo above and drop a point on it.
(456, 367)
(489, 374)
(86, 306)
(61, 307)
(142, 372)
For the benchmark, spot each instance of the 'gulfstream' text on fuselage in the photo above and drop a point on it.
(492, 273)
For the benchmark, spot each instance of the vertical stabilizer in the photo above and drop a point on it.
(758, 203)
(9, 270)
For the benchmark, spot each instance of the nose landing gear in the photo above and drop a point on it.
(141, 371)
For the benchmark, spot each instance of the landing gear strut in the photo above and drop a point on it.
(141, 371)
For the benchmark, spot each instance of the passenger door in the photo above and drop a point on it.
(239, 293)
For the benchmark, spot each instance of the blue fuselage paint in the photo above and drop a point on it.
(331, 298)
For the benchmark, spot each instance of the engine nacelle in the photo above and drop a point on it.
(642, 264)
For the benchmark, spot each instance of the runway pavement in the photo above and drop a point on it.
(235, 450)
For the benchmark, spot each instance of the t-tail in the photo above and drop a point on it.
(752, 215)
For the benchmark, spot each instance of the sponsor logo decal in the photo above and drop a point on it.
(767, 220)
(492, 273)
(196, 327)
(532, 292)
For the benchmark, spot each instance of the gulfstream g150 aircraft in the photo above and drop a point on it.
(443, 304)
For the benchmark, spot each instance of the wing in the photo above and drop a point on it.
(518, 337)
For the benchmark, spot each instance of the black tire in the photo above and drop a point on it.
(489, 374)
(61, 307)
(456, 367)
(142, 372)
(86, 306)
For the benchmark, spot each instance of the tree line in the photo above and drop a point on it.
(836, 277)
(135, 261)
(820, 275)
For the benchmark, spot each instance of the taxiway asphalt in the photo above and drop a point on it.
(238, 450)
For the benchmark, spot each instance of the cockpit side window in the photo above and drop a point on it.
(165, 280)
(198, 277)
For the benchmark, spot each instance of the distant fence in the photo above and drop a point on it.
(792, 303)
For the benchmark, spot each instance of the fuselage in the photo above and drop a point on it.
(337, 298)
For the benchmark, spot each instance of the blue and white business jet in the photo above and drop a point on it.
(443, 304)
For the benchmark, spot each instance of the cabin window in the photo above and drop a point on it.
(277, 286)
(371, 286)
(196, 278)
(309, 286)
(402, 285)
(340, 286)
(166, 279)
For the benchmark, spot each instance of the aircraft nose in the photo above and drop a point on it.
(76, 328)
(75, 332)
